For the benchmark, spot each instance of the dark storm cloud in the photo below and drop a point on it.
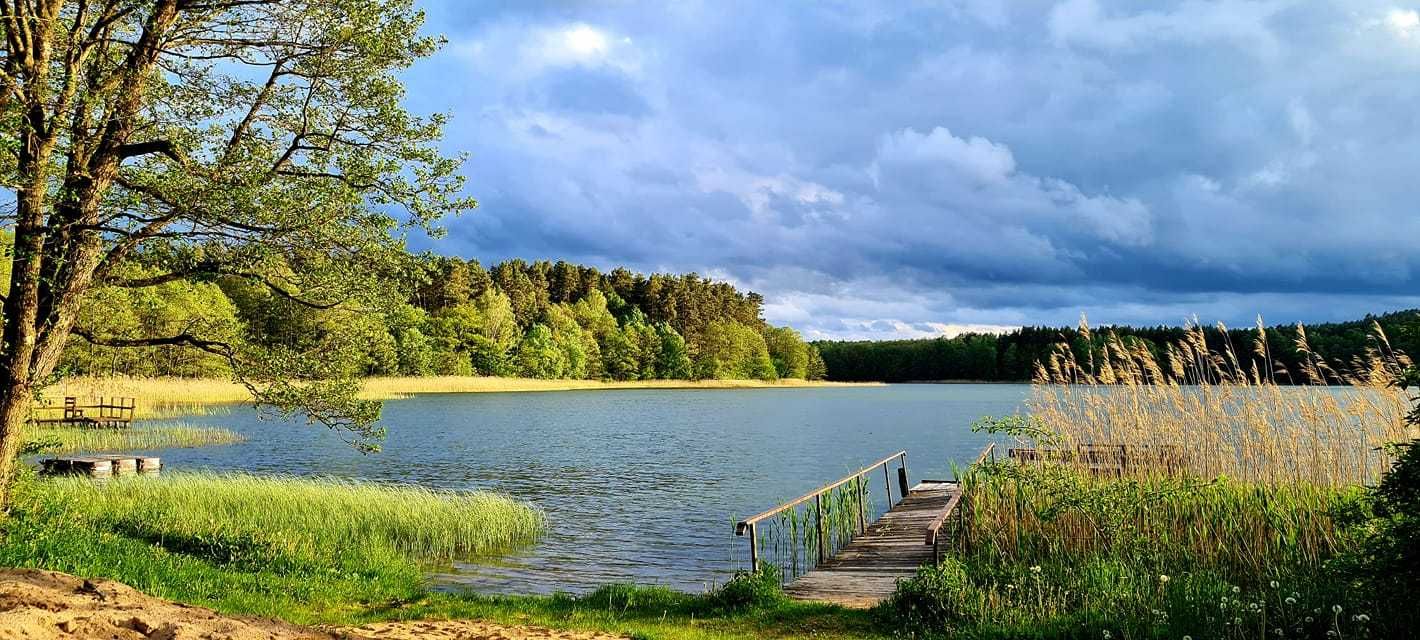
(915, 168)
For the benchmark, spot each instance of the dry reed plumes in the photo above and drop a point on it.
(1226, 414)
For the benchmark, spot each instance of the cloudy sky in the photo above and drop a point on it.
(911, 168)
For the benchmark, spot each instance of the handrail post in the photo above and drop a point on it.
(753, 547)
(818, 507)
(862, 507)
(902, 476)
(887, 484)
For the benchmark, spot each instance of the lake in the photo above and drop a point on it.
(638, 485)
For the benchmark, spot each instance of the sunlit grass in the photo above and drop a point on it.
(137, 438)
(302, 516)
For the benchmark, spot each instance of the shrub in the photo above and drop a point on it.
(932, 600)
(749, 589)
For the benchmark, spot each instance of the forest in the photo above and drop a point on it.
(515, 318)
(1012, 356)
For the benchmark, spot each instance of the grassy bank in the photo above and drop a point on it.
(140, 437)
(333, 552)
(171, 397)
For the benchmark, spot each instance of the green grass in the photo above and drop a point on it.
(1051, 552)
(287, 515)
(334, 552)
(147, 436)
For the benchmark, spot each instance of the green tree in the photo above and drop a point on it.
(259, 139)
(539, 356)
(816, 369)
(731, 350)
(621, 355)
(787, 351)
(673, 362)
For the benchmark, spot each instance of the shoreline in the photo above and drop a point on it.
(160, 398)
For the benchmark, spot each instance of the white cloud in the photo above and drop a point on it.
(1404, 22)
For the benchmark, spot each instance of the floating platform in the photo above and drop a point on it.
(101, 466)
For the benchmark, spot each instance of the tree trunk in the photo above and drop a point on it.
(14, 410)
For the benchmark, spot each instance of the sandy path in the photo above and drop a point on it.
(47, 605)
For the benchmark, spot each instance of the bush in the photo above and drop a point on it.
(932, 600)
(749, 589)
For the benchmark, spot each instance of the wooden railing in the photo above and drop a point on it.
(104, 412)
(750, 525)
(987, 453)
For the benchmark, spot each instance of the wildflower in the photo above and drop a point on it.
(1237, 620)
(1186, 638)
(1274, 584)
(1237, 589)
(1336, 608)
(1164, 579)
(1363, 618)
(1277, 631)
(1107, 636)
(1310, 619)
(1290, 601)
(1035, 569)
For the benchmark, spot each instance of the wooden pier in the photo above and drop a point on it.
(105, 413)
(865, 571)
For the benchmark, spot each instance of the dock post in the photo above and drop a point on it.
(753, 547)
(862, 506)
(822, 544)
(887, 485)
(902, 480)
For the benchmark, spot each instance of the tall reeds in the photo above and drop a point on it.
(1226, 413)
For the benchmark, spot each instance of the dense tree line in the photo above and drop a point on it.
(1013, 356)
(516, 318)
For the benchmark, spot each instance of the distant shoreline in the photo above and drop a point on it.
(177, 397)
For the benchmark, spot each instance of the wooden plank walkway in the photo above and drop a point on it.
(866, 571)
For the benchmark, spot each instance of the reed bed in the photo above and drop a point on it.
(137, 438)
(1230, 415)
(287, 516)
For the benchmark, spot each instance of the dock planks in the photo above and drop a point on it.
(866, 571)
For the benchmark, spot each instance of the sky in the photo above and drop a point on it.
(904, 169)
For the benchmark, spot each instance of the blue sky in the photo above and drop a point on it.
(906, 168)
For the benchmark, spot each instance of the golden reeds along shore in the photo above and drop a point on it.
(174, 397)
(1228, 412)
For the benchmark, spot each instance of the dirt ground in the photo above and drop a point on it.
(47, 605)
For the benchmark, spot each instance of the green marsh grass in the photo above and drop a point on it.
(137, 438)
(299, 516)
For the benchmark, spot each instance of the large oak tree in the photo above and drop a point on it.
(199, 139)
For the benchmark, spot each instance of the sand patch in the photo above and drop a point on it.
(48, 605)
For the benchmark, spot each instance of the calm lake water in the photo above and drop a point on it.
(638, 486)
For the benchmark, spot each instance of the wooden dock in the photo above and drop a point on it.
(101, 466)
(861, 567)
(866, 571)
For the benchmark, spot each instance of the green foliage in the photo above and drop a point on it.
(1387, 564)
(934, 600)
(673, 359)
(788, 352)
(730, 350)
(816, 369)
(539, 356)
(749, 589)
